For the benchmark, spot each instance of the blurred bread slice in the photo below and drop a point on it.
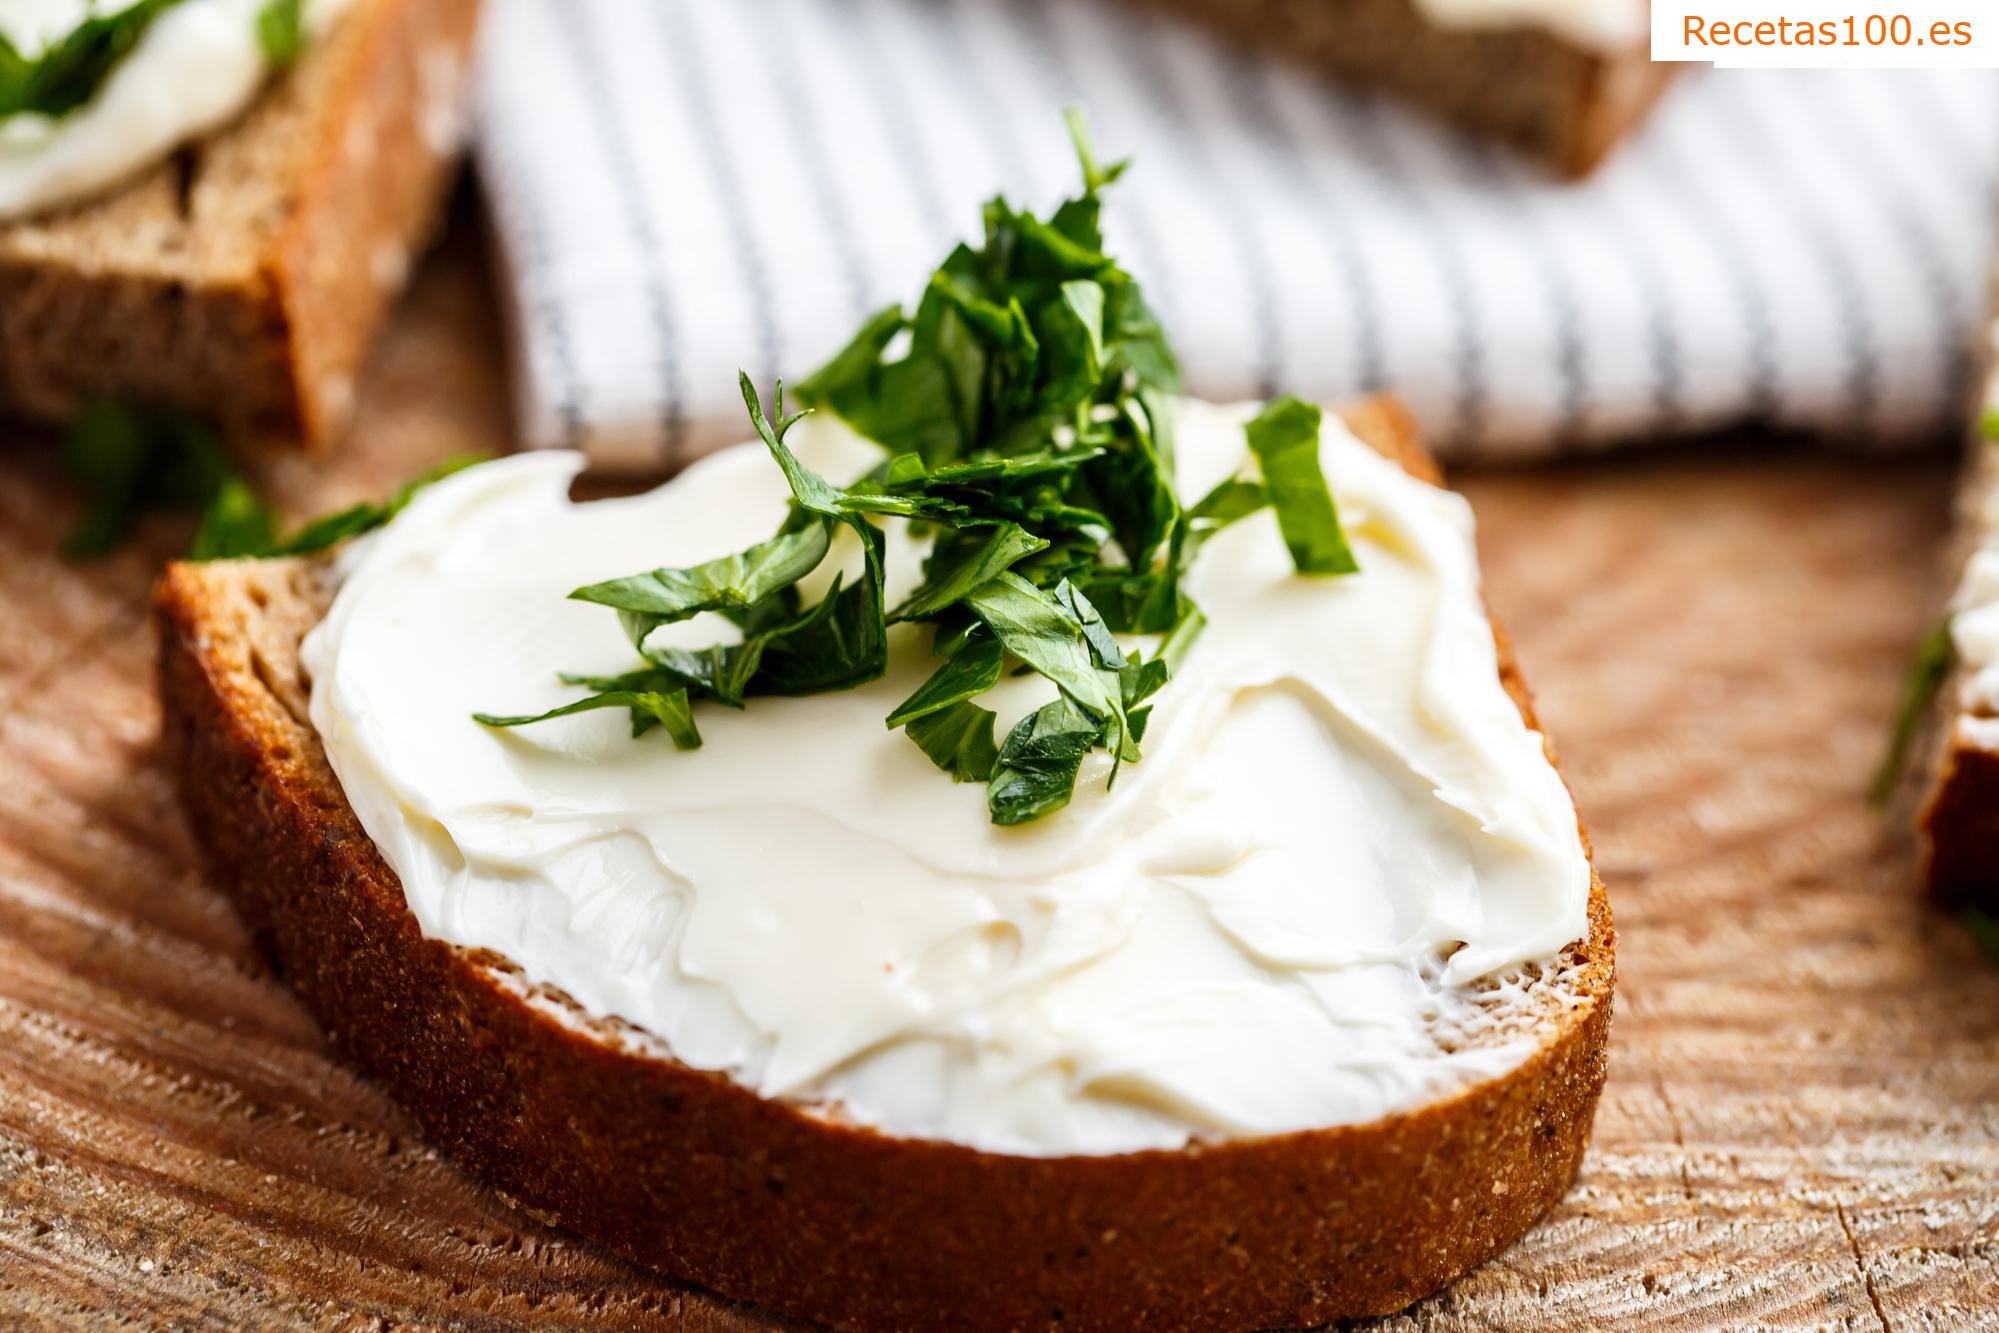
(1561, 103)
(243, 278)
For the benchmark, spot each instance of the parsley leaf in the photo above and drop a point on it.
(1025, 409)
(1036, 626)
(331, 529)
(667, 709)
(970, 672)
(959, 740)
(734, 582)
(1039, 762)
(235, 522)
(130, 459)
(1984, 932)
(281, 31)
(67, 73)
(1285, 439)
(1936, 656)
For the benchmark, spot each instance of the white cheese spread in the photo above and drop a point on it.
(197, 65)
(1595, 25)
(1256, 931)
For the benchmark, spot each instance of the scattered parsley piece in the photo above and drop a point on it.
(668, 709)
(1984, 932)
(235, 522)
(331, 529)
(1935, 656)
(131, 459)
(1025, 407)
(959, 740)
(281, 31)
(970, 672)
(67, 73)
(1039, 762)
(1285, 440)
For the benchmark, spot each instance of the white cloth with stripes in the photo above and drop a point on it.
(685, 187)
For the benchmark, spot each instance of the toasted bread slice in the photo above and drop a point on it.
(594, 1126)
(243, 279)
(1560, 103)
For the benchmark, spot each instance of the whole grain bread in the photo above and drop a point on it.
(243, 278)
(1559, 103)
(594, 1126)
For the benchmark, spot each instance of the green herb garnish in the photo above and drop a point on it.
(67, 73)
(1935, 656)
(1025, 407)
(1285, 440)
(131, 459)
(247, 535)
(1984, 932)
(281, 31)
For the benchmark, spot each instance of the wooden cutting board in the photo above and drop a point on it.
(1801, 1128)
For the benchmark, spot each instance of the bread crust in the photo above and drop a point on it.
(685, 1171)
(1961, 823)
(1559, 103)
(244, 278)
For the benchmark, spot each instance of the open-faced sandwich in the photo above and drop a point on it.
(206, 205)
(1562, 80)
(1013, 847)
(1950, 708)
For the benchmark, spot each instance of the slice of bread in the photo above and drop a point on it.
(594, 1126)
(1958, 782)
(243, 278)
(1560, 103)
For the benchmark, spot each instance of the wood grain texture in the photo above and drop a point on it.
(1802, 1124)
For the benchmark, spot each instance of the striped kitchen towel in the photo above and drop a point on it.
(683, 187)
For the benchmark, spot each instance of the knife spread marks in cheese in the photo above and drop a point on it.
(1343, 844)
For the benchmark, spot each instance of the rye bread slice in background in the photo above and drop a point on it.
(594, 1126)
(1562, 104)
(243, 278)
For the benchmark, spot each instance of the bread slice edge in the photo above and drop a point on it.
(243, 279)
(1958, 776)
(685, 1171)
(1562, 104)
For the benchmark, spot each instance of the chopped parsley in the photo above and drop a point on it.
(67, 73)
(1984, 932)
(1935, 657)
(1025, 407)
(131, 459)
(281, 31)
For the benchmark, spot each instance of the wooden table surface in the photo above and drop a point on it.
(1801, 1128)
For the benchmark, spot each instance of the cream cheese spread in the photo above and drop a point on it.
(1340, 834)
(1595, 25)
(197, 65)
